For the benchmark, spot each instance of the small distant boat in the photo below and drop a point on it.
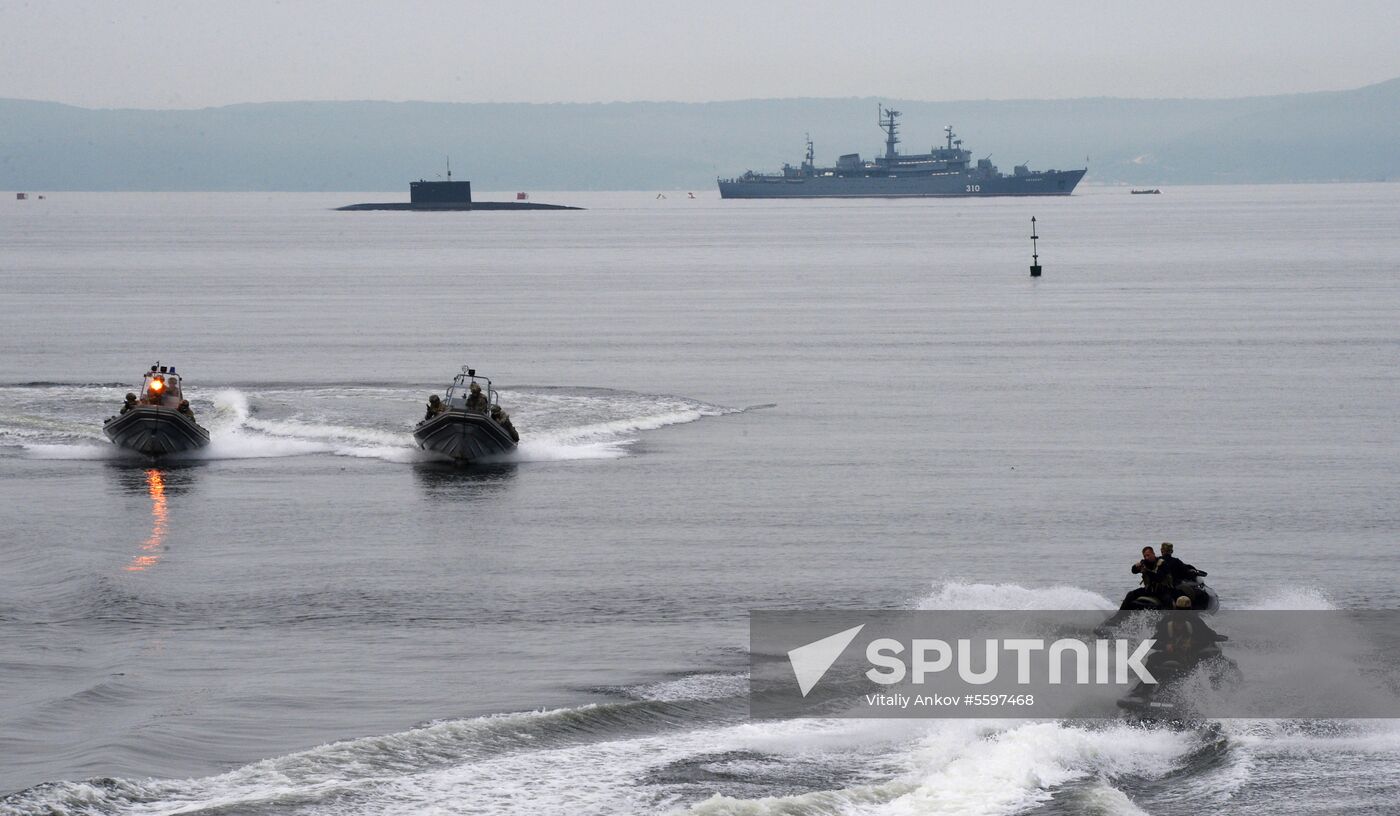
(1147, 192)
(160, 420)
(467, 423)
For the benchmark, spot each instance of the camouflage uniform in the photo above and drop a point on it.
(477, 401)
(435, 407)
(503, 419)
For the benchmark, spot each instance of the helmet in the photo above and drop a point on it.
(434, 399)
(496, 409)
(130, 397)
(1167, 548)
(1183, 602)
(184, 403)
(475, 387)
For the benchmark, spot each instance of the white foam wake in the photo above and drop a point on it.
(976, 596)
(573, 761)
(376, 423)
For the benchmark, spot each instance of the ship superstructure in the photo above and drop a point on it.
(947, 170)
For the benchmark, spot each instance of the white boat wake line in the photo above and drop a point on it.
(555, 427)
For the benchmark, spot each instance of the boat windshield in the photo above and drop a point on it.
(161, 386)
(460, 389)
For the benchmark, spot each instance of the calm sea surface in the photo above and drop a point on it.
(724, 406)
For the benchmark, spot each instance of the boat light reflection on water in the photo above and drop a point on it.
(154, 544)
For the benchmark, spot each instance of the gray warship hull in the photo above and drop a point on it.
(946, 171)
(155, 431)
(950, 185)
(463, 436)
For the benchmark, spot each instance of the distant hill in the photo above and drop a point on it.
(324, 146)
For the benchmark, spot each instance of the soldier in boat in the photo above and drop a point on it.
(466, 424)
(477, 401)
(160, 420)
(503, 419)
(435, 407)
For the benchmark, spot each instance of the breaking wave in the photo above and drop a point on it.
(685, 745)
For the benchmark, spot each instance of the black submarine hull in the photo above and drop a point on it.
(155, 431)
(449, 196)
(463, 436)
(464, 207)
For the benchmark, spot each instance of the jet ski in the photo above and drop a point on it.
(1168, 698)
(1203, 598)
(160, 420)
(466, 424)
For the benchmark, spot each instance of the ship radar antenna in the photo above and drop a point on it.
(888, 123)
(449, 168)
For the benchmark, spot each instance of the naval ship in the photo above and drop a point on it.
(943, 171)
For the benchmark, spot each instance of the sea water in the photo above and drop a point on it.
(723, 406)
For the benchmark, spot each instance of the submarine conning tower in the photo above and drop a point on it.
(455, 194)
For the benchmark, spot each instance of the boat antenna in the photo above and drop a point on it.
(1035, 253)
(449, 168)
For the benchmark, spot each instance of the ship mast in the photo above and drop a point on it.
(890, 126)
(811, 163)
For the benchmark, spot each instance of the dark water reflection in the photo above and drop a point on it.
(445, 481)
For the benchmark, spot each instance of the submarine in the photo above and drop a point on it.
(449, 196)
(160, 420)
(467, 424)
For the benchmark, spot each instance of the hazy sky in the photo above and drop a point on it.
(194, 54)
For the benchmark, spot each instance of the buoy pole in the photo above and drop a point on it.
(1035, 253)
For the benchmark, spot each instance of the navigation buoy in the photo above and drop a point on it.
(1035, 254)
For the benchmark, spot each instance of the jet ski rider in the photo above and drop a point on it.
(1176, 569)
(1183, 636)
(1156, 581)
